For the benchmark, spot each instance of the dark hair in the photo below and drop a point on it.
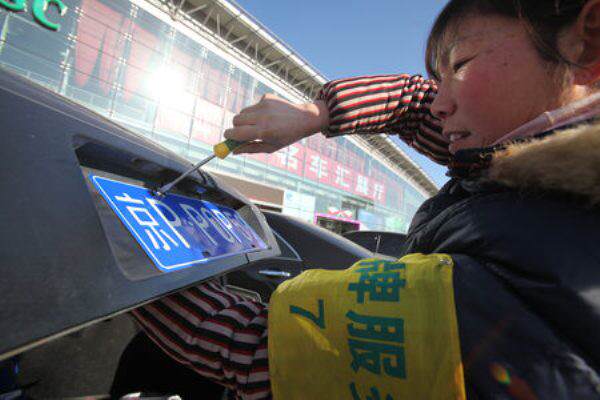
(544, 20)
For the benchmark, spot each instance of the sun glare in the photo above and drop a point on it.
(167, 85)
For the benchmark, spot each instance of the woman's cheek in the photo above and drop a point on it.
(486, 99)
(476, 88)
(483, 106)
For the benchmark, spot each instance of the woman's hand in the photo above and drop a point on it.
(274, 123)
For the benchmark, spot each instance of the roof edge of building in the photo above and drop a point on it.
(397, 159)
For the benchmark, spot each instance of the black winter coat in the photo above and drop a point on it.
(525, 239)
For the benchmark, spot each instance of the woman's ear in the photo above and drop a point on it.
(588, 30)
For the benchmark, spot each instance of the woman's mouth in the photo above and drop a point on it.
(457, 135)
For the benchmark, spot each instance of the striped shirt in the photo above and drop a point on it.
(216, 333)
(393, 104)
(223, 336)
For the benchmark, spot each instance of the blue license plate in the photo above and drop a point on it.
(178, 231)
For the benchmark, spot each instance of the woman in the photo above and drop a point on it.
(511, 110)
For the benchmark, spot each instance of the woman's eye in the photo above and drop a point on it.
(458, 65)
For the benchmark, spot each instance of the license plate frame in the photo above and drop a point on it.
(178, 231)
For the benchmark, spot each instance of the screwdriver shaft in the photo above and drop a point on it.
(164, 189)
(220, 150)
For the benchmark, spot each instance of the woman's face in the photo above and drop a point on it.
(492, 80)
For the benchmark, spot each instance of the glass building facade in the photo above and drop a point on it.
(150, 75)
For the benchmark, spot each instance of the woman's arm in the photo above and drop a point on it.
(394, 104)
(218, 334)
(397, 104)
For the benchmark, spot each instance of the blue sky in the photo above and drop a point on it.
(344, 38)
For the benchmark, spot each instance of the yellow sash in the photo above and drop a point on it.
(379, 330)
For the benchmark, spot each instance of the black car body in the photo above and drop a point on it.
(69, 263)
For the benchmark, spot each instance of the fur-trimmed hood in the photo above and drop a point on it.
(566, 161)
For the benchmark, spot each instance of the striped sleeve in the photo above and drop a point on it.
(397, 104)
(218, 334)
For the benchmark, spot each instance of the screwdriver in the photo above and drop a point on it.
(220, 150)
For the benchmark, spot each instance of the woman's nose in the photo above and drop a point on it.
(442, 106)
